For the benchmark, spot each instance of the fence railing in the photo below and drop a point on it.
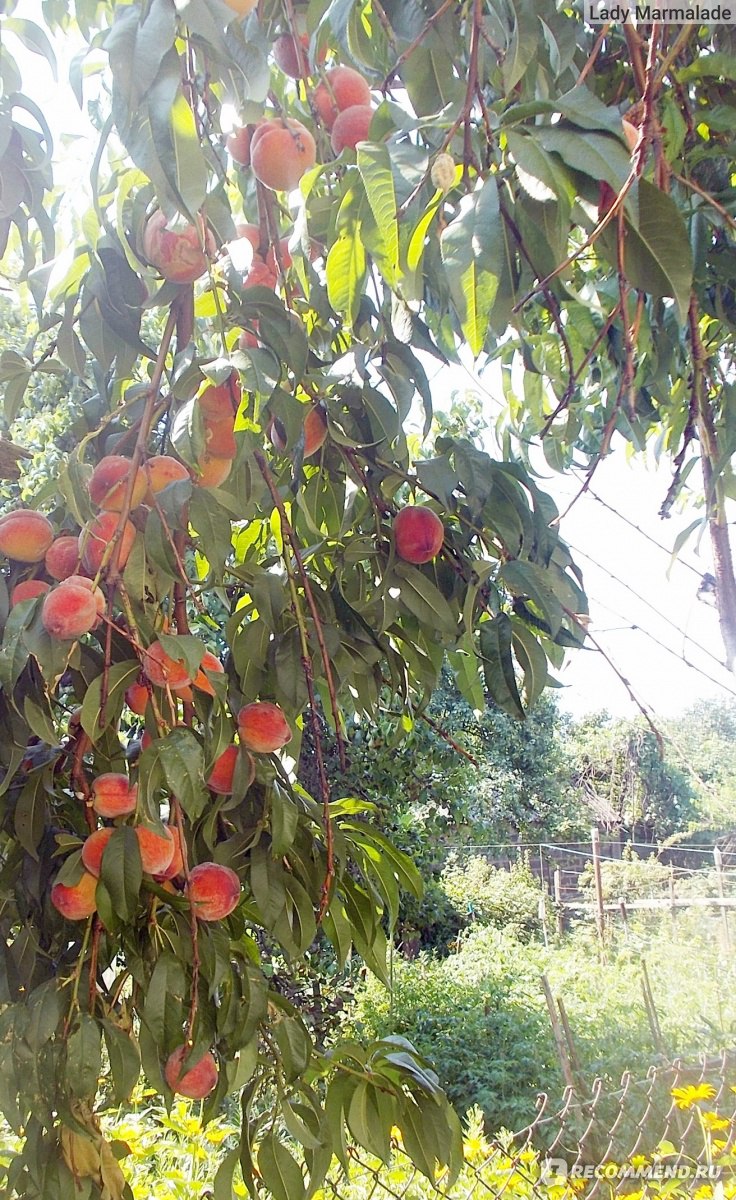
(678, 1123)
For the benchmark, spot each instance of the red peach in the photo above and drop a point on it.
(177, 253)
(25, 535)
(351, 126)
(28, 589)
(242, 7)
(238, 145)
(137, 697)
(287, 57)
(214, 891)
(94, 848)
(248, 340)
(176, 866)
(113, 795)
(418, 534)
(220, 779)
(251, 233)
(97, 536)
(263, 727)
(164, 671)
(212, 471)
(62, 557)
(219, 436)
(109, 483)
(196, 1082)
(89, 585)
(161, 470)
(281, 152)
(209, 662)
(343, 88)
(216, 403)
(69, 611)
(157, 848)
(75, 902)
(260, 275)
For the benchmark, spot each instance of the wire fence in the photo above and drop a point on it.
(679, 1123)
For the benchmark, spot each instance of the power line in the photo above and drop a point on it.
(685, 636)
(646, 535)
(668, 649)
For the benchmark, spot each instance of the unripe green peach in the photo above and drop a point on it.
(443, 172)
(214, 891)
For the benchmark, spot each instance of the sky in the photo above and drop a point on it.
(617, 561)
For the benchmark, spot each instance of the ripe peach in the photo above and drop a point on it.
(260, 275)
(198, 1081)
(113, 795)
(351, 126)
(164, 671)
(219, 436)
(109, 483)
(176, 253)
(315, 432)
(97, 535)
(137, 697)
(284, 255)
(343, 88)
(62, 557)
(69, 611)
(241, 7)
(28, 589)
(25, 535)
(263, 727)
(219, 402)
(286, 55)
(89, 585)
(251, 233)
(75, 902)
(209, 662)
(212, 471)
(248, 340)
(161, 470)
(221, 776)
(176, 866)
(281, 151)
(94, 848)
(157, 848)
(418, 534)
(238, 145)
(214, 890)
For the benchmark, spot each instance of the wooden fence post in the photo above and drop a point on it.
(718, 859)
(558, 902)
(600, 909)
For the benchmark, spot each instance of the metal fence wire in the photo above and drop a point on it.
(679, 1123)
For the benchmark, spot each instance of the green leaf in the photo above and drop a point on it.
(120, 677)
(657, 253)
(424, 599)
(529, 580)
(122, 873)
(374, 164)
(523, 47)
(191, 168)
(472, 253)
(84, 1058)
(182, 759)
(345, 272)
(498, 665)
(29, 819)
(532, 659)
(280, 1172)
(125, 1060)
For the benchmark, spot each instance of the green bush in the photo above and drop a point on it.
(508, 900)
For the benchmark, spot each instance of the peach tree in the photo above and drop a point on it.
(295, 215)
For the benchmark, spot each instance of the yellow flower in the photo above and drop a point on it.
(704, 1192)
(639, 1160)
(712, 1121)
(686, 1097)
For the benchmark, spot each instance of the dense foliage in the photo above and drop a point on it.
(243, 328)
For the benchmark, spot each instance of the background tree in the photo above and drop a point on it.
(248, 321)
